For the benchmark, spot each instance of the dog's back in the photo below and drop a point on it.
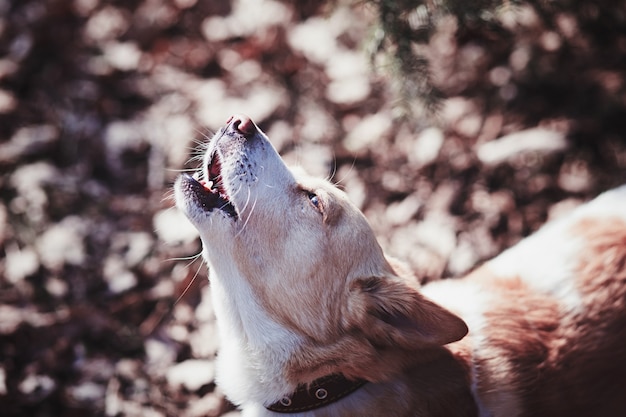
(547, 318)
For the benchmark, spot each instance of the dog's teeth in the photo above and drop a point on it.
(208, 185)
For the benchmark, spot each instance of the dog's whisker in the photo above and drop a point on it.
(201, 142)
(236, 193)
(334, 170)
(191, 258)
(168, 197)
(347, 174)
(245, 206)
(182, 170)
(196, 157)
(150, 326)
(248, 218)
(206, 135)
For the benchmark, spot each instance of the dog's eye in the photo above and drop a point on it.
(315, 200)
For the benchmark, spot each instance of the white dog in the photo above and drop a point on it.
(314, 320)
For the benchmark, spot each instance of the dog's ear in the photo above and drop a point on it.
(391, 312)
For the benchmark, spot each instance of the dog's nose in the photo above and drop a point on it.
(242, 124)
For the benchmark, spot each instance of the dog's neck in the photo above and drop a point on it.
(255, 353)
(253, 348)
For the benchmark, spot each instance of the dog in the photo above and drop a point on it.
(315, 320)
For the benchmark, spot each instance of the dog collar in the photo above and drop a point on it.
(317, 394)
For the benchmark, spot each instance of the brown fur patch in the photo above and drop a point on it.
(565, 364)
(587, 375)
(602, 267)
(521, 330)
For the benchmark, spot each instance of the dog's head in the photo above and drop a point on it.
(306, 253)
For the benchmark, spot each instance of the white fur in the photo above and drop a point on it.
(546, 259)
(246, 332)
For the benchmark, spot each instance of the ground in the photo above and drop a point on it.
(104, 309)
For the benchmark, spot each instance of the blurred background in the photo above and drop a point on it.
(457, 128)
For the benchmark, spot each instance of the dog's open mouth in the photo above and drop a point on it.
(210, 191)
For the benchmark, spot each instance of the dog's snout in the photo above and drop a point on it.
(242, 124)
